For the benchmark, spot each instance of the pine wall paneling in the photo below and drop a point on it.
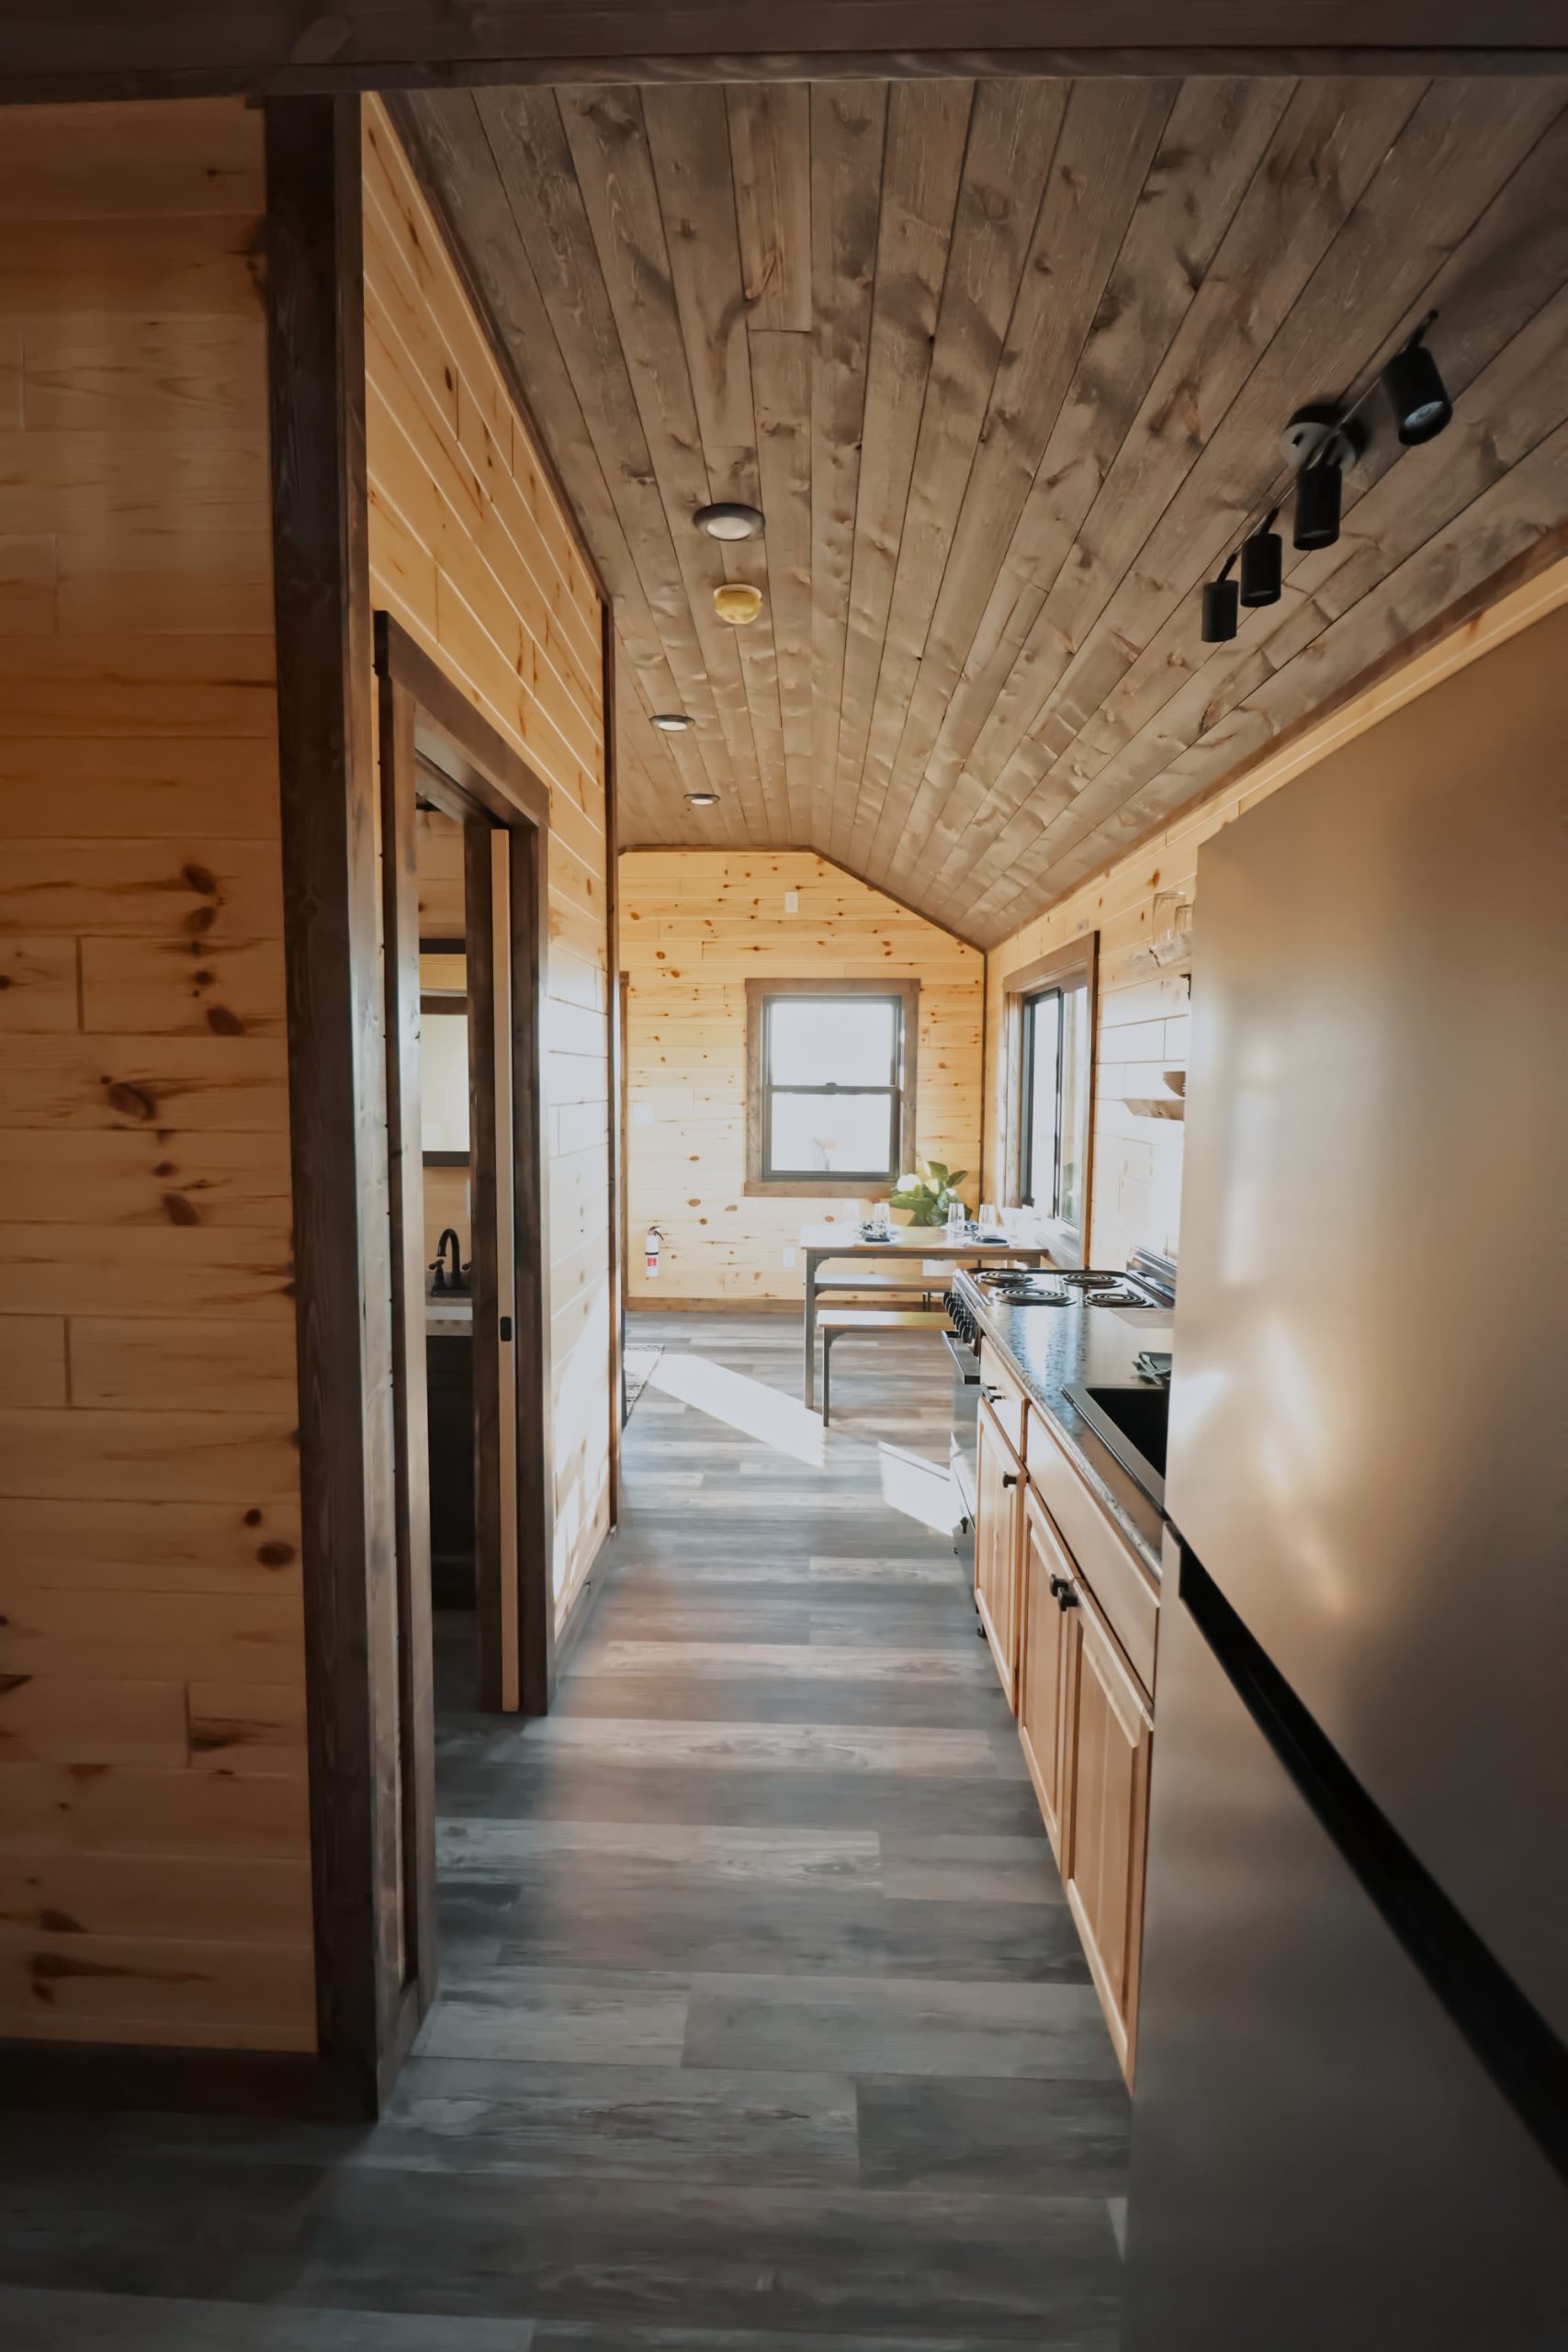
(695, 926)
(1143, 1010)
(471, 552)
(154, 1862)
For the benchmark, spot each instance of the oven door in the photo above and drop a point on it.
(965, 1431)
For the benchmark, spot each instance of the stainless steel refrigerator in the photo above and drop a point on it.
(1349, 2110)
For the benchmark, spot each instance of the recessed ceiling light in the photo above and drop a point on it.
(702, 799)
(730, 521)
(672, 722)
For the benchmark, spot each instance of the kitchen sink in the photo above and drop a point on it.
(1132, 1421)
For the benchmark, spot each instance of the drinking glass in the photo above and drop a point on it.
(987, 1217)
(956, 1215)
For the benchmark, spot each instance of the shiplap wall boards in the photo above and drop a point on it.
(470, 551)
(154, 1865)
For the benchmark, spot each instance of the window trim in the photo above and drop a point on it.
(843, 1183)
(1075, 966)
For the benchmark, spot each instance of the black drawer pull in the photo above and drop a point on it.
(1009, 1477)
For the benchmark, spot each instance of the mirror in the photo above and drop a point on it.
(443, 1080)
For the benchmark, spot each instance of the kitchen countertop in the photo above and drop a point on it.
(1049, 1348)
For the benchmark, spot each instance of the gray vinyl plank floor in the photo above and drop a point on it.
(762, 2019)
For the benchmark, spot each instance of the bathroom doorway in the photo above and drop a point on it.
(465, 859)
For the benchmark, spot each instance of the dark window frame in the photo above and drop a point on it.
(838, 1184)
(1028, 1186)
(1063, 974)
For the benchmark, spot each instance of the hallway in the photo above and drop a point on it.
(762, 2021)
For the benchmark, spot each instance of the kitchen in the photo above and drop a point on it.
(703, 1638)
(1268, 1509)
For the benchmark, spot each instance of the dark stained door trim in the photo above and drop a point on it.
(490, 786)
(411, 1403)
(181, 48)
(615, 1214)
(336, 1083)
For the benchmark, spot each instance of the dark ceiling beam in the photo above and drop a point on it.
(103, 49)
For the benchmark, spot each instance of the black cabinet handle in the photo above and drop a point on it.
(1009, 1477)
(507, 1327)
(1067, 1596)
(990, 1394)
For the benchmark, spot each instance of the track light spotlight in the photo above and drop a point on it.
(1220, 606)
(1318, 489)
(1415, 390)
(1262, 563)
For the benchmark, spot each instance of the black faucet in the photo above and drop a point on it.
(459, 1281)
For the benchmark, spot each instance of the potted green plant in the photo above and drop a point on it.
(926, 1199)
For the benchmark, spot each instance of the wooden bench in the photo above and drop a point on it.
(834, 1321)
(891, 1290)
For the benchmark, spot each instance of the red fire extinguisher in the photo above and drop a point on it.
(651, 1247)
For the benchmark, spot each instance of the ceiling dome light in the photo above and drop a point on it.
(672, 722)
(702, 799)
(730, 521)
(1262, 563)
(737, 603)
(1415, 390)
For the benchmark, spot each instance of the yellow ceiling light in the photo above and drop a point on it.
(737, 603)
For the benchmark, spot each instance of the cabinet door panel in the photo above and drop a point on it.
(1107, 1802)
(999, 1502)
(1042, 1683)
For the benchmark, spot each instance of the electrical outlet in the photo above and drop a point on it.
(789, 1253)
(792, 902)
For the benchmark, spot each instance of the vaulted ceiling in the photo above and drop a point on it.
(1006, 364)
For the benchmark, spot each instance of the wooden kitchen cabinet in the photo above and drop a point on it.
(1108, 1743)
(1042, 1682)
(998, 1519)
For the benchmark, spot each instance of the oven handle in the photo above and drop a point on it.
(963, 1358)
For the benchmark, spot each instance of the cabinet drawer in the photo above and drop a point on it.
(1123, 1591)
(1003, 1394)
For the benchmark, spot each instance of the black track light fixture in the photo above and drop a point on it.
(1220, 605)
(1319, 489)
(1320, 441)
(1262, 563)
(1415, 390)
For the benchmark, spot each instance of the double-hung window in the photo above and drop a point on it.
(831, 1084)
(1049, 1008)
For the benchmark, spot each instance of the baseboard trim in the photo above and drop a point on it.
(714, 1306)
(580, 1608)
(93, 2075)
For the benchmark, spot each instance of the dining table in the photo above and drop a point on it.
(965, 1247)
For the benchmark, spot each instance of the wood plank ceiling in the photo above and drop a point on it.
(1005, 364)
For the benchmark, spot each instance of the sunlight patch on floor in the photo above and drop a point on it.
(749, 1405)
(916, 1488)
(920, 1489)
